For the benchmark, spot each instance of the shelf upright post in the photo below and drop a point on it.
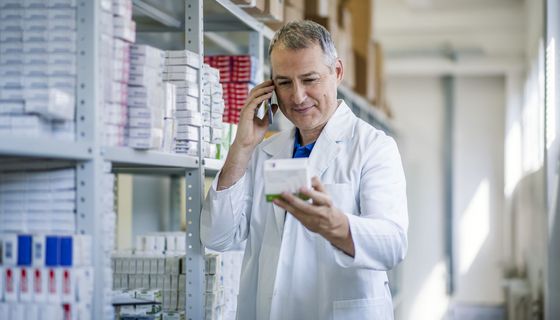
(256, 49)
(89, 173)
(194, 304)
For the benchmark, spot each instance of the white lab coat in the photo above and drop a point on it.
(289, 272)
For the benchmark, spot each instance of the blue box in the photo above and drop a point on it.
(52, 251)
(24, 250)
(66, 244)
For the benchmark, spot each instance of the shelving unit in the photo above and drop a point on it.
(127, 157)
(212, 166)
(38, 147)
(92, 159)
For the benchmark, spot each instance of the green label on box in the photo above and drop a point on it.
(272, 197)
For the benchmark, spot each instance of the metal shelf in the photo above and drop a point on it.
(212, 166)
(40, 147)
(223, 15)
(219, 16)
(138, 161)
(366, 110)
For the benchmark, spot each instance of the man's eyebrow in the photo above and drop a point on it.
(280, 77)
(313, 73)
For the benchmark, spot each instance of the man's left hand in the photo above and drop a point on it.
(319, 216)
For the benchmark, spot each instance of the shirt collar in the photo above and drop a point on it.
(299, 150)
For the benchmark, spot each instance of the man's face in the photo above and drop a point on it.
(305, 85)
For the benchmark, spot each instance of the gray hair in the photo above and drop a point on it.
(297, 35)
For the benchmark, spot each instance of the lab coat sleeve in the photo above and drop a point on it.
(379, 232)
(225, 217)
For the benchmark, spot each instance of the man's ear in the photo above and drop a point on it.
(339, 70)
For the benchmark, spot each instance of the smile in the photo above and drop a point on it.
(303, 110)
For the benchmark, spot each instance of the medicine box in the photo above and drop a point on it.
(285, 175)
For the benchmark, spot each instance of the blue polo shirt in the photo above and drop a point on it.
(301, 151)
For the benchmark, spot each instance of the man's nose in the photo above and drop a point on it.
(299, 94)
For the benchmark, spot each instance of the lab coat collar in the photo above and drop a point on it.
(340, 127)
(336, 130)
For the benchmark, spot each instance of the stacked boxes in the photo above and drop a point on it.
(43, 261)
(181, 70)
(121, 35)
(38, 201)
(38, 68)
(214, 303)
(117, 34)
(223, 272)
(212, 111)
(152, 311)
(46, 275)
(170, 98)
(155, 266)
(238, 74)
(146, 98)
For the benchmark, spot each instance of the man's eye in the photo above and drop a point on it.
(284, 83)
(310, 80)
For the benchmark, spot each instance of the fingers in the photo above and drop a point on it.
(295, 205)
(260, 86)
(316, 183)
(259, 94)
(318, 198)
(254, 101)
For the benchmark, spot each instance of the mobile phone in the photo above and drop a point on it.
(266, 106)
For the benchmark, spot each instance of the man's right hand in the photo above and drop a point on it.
(250, 132)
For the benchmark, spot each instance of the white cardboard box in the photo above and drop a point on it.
(11, 284)
(54, 285)
(39, 284)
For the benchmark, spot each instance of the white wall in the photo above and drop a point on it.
(478, 174)
(478, 188)
(150, 203)
(418, 108)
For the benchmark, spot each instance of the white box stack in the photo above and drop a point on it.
(212, 112)
(181, 70)
(146, 98)
(223, 271)
(45, 267)
(50, 275)
(155, 265)
(170, 97)
(38, 201)
(38, 68)
(118, 33)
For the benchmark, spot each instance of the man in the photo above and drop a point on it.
(324, 259)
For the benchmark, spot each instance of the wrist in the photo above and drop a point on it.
(341, 235)
(246, 148)
(339, 229)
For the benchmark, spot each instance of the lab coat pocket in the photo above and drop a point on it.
(378, 309)
(343, 197)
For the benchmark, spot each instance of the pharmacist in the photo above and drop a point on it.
(326, 258)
